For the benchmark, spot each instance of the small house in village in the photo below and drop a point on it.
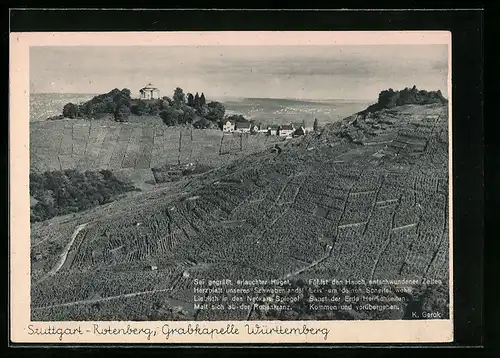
(273, 130)
(228, 127)
(242, 127)
(254, 128)
(149, 92)
(286, 130)
(299, 131)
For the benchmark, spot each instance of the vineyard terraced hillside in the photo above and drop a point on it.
(91, 145)
(365, 198)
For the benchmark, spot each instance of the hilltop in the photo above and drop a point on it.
(367, 197)
(181, 109)
(389, 98)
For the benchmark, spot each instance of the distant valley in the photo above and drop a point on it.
(272, 111)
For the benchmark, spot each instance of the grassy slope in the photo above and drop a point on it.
(324, 207)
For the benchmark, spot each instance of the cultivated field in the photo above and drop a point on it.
(365, 198)
(92, 145)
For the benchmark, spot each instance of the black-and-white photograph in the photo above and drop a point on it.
(219, 183)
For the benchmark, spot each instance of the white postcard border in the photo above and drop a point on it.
(420, 331)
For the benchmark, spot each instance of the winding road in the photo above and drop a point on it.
(64, 254)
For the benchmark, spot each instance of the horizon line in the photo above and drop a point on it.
(222, 97)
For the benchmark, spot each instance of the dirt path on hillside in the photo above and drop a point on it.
(64, 254)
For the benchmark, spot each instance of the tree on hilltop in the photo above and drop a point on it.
(190, 100)
(196, 100)
(315, 125)
(390, 98)
(203, 110)
(70, 110)
(122, 113)
(164, 104)
(170, 116)
(126, 92)
(187, 116)
(122, 98)
(140, 108)
(216, 111)
(155, 107)
(168, 100)
(201, 123)
(179, 96)
(202, 100)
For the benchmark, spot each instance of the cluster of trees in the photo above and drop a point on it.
(196, 101)
(150, 107)
(180, 109)
(64, 192)
(189, 109)
(390, 98)
(116, 102)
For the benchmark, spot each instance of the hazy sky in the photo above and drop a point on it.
(314, 72)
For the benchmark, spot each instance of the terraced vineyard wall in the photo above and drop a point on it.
(82, 145)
